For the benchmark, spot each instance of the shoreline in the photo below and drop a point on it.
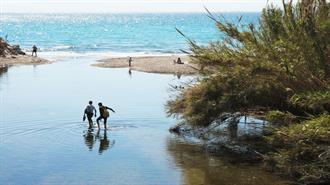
(151, 64)
(12, 60)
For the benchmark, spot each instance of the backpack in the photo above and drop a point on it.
(105, 112)
(89, 109)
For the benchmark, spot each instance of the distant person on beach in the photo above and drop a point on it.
(130, 61)
(104, 114)
(34, 50)
(179, 61)
(89, 111)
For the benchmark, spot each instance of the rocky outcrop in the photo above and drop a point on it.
(6, 49)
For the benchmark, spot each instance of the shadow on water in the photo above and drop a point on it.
(3, 70)
(201, 168)
(92, 138)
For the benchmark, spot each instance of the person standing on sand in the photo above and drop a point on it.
(104, 114)
(34, 50)
(89, 111)
(130, 62)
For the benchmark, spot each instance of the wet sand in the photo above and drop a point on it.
(21, 60)
(151, 64)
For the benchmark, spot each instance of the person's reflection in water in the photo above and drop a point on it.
(104, 141)
(89, 139)
(178, 75)
(233, 129)
(130, 73)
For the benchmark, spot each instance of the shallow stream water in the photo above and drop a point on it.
(43, 139)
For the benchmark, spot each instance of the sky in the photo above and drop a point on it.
(134, 6)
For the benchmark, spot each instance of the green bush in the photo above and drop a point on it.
(313, 102)
(281, 118)
(281, 66)
(263, 66)
(303, 150)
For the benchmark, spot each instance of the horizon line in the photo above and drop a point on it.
(139, 12)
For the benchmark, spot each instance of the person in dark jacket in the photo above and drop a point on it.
(34, 50)
(104, 114)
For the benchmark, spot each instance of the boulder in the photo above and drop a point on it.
(18, 50)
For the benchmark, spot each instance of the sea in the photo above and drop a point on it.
(114, 34)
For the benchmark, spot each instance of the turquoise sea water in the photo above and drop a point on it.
(116, 33)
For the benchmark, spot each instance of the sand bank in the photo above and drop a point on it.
(21, 60)
(151, 64)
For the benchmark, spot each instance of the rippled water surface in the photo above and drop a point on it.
(44, 141)
(118, 33)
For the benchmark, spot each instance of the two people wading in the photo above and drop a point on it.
(104, 114)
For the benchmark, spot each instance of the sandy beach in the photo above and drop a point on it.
(21, 60)
(151, 64)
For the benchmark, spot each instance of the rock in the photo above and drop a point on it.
(175, 129)
(6, 49)
(18, 50)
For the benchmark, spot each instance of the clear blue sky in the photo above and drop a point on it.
(116, 6)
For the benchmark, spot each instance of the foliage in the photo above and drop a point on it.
(261, 67)
(281, 66)
(313, 102)
(303, 150)
(281, 118)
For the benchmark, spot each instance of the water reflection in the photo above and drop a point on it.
(92, 138)
(104, 141)
(233, 130)
(3, 69)
(89, 139)
(200, 168)
(179, 75)
(130, 72)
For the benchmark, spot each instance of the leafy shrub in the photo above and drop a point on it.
(303, 150)
(265, 66)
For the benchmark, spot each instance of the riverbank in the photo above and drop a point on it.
(151, 64)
